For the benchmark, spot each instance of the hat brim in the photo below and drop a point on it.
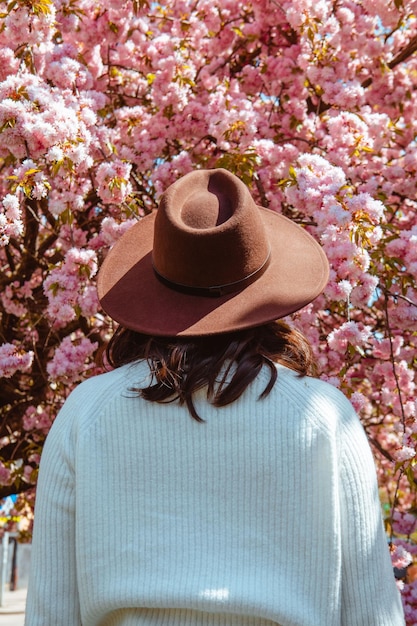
(131, 294)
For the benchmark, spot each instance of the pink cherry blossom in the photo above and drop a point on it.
(113, 182)
(11, 224)
(310, 103)
(400, 557)
(13, 360)
(69, 362)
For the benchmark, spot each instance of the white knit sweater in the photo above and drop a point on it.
(266, 514)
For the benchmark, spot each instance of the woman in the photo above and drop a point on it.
(209, 478)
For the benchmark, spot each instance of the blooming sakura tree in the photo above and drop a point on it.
(313, 103)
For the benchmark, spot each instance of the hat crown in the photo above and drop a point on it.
(208, 231)
(205, 210)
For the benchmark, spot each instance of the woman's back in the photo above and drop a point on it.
(238, 520)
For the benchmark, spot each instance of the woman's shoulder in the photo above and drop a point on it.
(314, 397)
(95, 394)
(309, 384)
(107, 382)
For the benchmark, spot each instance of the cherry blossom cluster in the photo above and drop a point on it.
(68, 288)
(65, 363)
(13, 359)
(11, 224)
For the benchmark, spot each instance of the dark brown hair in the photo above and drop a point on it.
(225, 363)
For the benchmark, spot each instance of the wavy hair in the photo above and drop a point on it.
(224, 364)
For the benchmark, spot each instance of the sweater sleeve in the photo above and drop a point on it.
(369, 593)
(52, 593)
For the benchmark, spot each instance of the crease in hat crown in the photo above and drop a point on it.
(208, 233)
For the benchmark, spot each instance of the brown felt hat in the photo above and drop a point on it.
(209, 261)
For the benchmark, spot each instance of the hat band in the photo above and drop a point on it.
(217, 290)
